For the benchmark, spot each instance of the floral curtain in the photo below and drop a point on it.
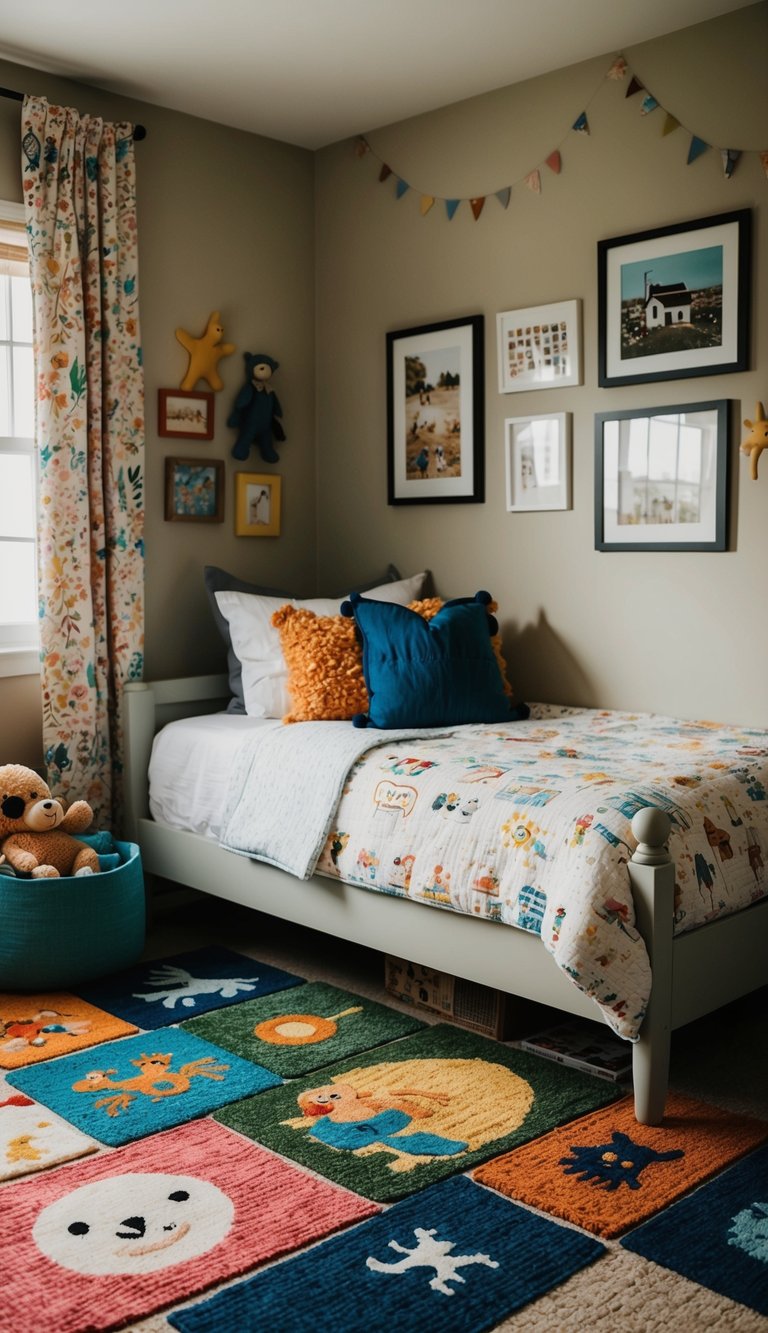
(80, 199)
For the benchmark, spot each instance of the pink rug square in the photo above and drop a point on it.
(99, 1243)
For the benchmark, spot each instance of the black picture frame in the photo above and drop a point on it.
(673, 511)
(669, 329)
(436, 418)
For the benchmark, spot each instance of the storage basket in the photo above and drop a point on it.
(58, 933)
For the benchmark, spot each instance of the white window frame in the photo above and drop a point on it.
(19, 643)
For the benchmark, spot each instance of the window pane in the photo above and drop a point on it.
(17, 497)
(23, 393)
(21, 310)
(18, 593)
(5, 391)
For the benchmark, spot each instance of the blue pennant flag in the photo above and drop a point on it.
(581, 124)
(503, 196)
(450, 207)
(730, 157)
(402, 188)
(698, 146)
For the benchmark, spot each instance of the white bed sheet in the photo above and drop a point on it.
(190, 768)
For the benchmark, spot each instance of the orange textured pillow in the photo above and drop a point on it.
(325, 665)
(429, 607)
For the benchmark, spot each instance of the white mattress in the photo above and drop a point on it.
(189, 771)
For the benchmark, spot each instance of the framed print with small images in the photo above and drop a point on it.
(539, 347)
(674, 302)
(538, 461)
(257, 505)
(194, 490)
(185, 414)
(661, 478)
(436, 413)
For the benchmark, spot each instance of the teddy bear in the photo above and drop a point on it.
(257, 409)
(35, 830)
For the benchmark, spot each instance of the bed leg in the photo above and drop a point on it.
(652, 875)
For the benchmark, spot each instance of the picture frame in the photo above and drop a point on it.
(539, 347)
(185, 414)
(661, 478)
(537, 451)
(194, 490)
(257, 504)
(436, 413)
(674, 302)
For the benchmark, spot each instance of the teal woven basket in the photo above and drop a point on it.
(58, 933)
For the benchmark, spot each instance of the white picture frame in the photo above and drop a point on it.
(537, 451)
(539, 347)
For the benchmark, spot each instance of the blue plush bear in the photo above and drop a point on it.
(256, 410)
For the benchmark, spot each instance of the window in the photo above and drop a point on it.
(18, 584)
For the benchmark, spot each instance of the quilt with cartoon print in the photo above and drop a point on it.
(528, 824)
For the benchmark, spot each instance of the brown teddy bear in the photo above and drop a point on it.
(35, 830)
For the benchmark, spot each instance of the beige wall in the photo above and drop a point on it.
(225, 222)
(681, 633)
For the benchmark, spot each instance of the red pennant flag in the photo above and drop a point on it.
(385, 171)
(477, 206)
(635, 86)
(555, 163)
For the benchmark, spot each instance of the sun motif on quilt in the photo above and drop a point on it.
(749, 1231)
(619, 1162)
(301, 1029)
(181, 987)
(155, 1080)
(383, 1109)
(431, 1253)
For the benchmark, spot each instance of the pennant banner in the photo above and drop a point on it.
(729, 157)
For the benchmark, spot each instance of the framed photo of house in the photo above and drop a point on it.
(661, 478)
(435, 413)
(538, 461)
(194, 490)
(257, 505)
(674, 302)
(184, 414)
(539, 347)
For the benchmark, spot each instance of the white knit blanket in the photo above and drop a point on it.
(286, 784)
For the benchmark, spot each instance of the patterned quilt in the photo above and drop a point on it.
(529, 825)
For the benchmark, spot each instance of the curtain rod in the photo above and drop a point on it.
(139, 131)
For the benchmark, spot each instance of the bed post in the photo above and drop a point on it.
(652, 876)
(139, 730)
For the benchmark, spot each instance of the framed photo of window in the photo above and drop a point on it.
(435, 413)
(661, 478)
(194, 490)
(538, 461)
(257, 505)
(674, 302)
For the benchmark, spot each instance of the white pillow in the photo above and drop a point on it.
(257, 643)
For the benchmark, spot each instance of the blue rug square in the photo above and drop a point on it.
(717, 1236)
(161, 991)
(454, 1257)
(131, 1088)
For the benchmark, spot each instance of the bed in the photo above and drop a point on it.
(693, 971)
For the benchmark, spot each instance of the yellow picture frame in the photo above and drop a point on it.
(257, 505)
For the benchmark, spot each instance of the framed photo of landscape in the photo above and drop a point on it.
(674, 302)
(661, 478)
(435, 413)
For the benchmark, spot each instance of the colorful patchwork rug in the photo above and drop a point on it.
(166, 990)
(606, 1173)
(32, 1138)
(423, 1108)
(38, 1027)
(99, 1243)
(141, 1086)
(718, 1236)
(310, 1027)
(452, 1257)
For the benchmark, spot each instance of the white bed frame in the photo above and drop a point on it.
(693, 973)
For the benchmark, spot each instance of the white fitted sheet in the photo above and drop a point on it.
(190, 767)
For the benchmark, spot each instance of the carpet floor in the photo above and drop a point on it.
(603, 1287)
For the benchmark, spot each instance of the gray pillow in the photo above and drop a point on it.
(218, 580)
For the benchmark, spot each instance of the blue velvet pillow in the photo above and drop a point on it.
(430, 673)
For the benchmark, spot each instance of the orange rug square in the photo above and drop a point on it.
(39, 1027)
(606, 1173)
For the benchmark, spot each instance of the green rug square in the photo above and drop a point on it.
(402, 1118)
(309, 1027)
